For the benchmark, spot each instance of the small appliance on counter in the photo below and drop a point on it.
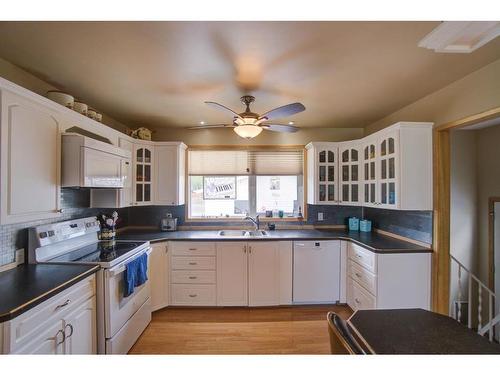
(365, 226)
(168, 224)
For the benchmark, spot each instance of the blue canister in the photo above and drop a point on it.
(353, 223)
(365, 226)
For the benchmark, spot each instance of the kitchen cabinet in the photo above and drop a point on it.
(387, 281)
(169, 175)
(159, 275)
(192, 273)
(232, 274)
(350, 176)
(254, 273)
(29, 160)
(388, 169)
(322, 169)
(63, 324)
(143, 174)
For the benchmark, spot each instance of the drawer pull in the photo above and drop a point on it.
(357, 300)
(359, 256)
(63, 337)
(68, 301)
(192, 277)
(358, 275)
(193, 263)
(193, 295)
(193, 249)
(70, 333)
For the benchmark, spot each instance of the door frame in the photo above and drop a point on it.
(491, 241)
(441, 206)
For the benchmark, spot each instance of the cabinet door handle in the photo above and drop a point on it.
(250, 249)
(245, 249)
(66, 303)
(70, 333)
(357, 300)
(357, 274)
(166, 249)
(193, 263)
(192, 277)
(63, 337)
(193, 295)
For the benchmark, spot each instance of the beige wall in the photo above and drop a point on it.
(30, 82)
(229, 137)
(488, 166)
(475, 93)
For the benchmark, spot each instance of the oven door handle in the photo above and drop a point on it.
(121, 268)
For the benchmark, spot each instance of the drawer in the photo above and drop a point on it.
(358, 298)
(28, 325)
(362, 256)
(362, 276)
(193, 295)
(190, 248)
(193, 263)
(193, 277)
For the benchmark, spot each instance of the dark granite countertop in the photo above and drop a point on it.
(416, 331)
(28, 285)
(373, 241)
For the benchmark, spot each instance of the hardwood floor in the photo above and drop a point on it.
(228, 330)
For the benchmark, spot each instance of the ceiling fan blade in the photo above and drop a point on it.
(211, 126)
(280, 128)
(284, 111)
(223, 107)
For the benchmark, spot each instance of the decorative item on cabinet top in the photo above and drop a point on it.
(141, 133)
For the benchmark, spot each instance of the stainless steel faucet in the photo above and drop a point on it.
(255, 221)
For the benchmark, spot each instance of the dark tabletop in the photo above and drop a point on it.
(417, 331)
(372, 241)
(28, 285)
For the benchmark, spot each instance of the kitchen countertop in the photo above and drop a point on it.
(28, 285)
(416, 331)
(372, 241)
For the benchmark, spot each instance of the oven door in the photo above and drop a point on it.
(119, 309)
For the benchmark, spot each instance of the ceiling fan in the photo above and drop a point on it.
(249, 124)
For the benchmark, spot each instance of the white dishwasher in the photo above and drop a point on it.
(316, 272)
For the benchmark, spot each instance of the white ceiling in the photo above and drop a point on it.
(157, 74)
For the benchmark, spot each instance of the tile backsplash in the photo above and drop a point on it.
(416, 225)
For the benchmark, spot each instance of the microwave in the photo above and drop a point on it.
(87, 162)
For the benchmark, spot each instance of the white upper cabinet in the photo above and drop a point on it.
(388, 169)
(30, 160)
(322, 167)
(143, 174)
(350, 174)
(169, 175)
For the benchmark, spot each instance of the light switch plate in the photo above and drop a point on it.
(320, 216)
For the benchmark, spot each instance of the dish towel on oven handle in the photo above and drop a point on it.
(136, 274)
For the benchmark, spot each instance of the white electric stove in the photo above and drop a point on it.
(120, 320)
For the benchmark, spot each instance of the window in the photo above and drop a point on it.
(233, 184)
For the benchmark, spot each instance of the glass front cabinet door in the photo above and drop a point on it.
(143, 179)
(327, 175)
(369, 173)
(388, 171)
(349, 161)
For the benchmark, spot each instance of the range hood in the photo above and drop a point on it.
(90, 163)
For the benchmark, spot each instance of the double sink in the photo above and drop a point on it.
(242, 233)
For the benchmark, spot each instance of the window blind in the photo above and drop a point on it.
(247, 162)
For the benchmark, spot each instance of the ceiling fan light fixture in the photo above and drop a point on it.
(248, 131)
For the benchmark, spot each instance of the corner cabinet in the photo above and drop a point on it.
(388, 169)
(30, 160)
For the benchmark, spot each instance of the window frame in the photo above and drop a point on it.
(252, 181)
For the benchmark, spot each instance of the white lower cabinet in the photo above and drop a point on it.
(159, 275)
(387, 281)
(64, 324)
(257, 273)
(232, 274)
